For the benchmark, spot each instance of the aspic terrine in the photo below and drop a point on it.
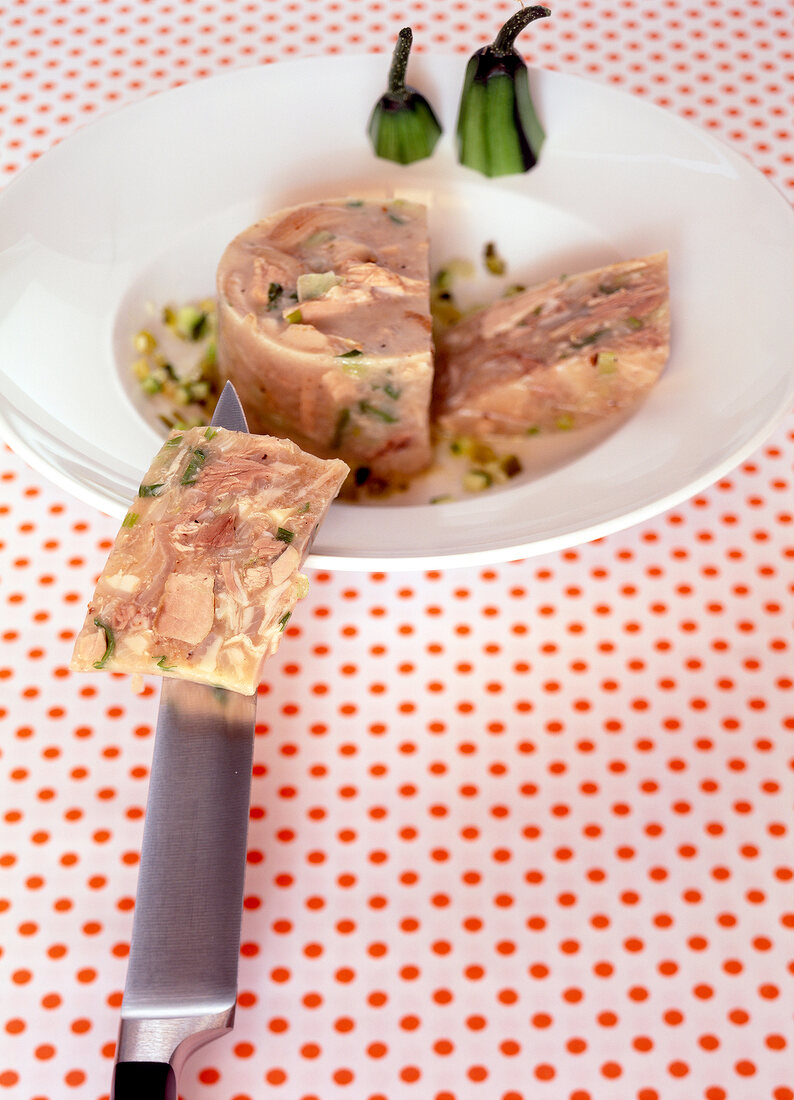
(556, 356)
(324, 328)
(205, 570)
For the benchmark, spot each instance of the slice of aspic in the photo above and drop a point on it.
(556, 356)
(205, 570)
(324, 328)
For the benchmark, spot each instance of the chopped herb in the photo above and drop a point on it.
(151, 385)
(442, 498)
(606, 362)
(355, 202)
(322, 236)
(352, 354)
(190, 323)
(493, 261)
(284, 620)
(314, 284)
(210, 433)
(634, 323)
(283, 535)
(477, 480)
(173, 441)
(361, 475)
(342, 421)
(150, 490)
(511, 465)
(274, 292)
(564, 423)
(304, 508)
(130, 519)
(589, 339)
(295, 317)
(195, 462)
(391, 391)
(382, 414)
(536, 312)
(604, 288)
(110, 644)
(396, 218)
(161, 664)
(534, 430)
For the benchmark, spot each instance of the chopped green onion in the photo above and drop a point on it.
(150, 490)
(304, 508)
(130, 519)
(196, 461)
(314, 284)
(591, 338)
(151, 385)
(110, 644)
(190, 323)
(295, 317)
(284, 620)
(283, 535)
(274, 292)
(322, 236)
(606, 362)
(493, 261)
(161, 664)
(352, 354)
(391, 391)
(210, 433)
(477, 480)
(634, 323)
(173, 441)
(382, 414)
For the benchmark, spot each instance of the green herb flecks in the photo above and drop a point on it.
(402, 127)
(373, 410)
(584, 341)
(150, 490)
(492, 260)
(197, 459)
(130, 519)
(284, 620)
(274, 292)
(352, 354)
(161, 664)
(110, 643)
(283, 535)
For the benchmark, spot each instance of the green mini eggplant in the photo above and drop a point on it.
(403, 127)
(498, 130)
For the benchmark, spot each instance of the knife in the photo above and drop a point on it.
(181, 986)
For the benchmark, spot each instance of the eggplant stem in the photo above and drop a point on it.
(503, 43)
(399, 62)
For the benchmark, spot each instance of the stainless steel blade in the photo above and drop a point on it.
(181, 986)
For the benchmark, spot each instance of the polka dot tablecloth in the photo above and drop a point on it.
(519, 832)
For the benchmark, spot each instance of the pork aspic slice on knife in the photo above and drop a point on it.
(205, 570)
(324, 329)
(556, 356)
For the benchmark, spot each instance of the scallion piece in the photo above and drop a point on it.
(130, 519)
(284, 620)
(150, 490)
(110, 644)
(195, 462)
(499, 133)
(283, 535)
(402, 126)
(373, 410)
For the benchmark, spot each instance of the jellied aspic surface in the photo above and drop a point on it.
(205, 570)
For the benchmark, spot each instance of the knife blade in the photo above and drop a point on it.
(181, 987)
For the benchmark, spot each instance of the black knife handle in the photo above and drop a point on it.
(143, 1081)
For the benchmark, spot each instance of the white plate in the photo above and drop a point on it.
(139, 206)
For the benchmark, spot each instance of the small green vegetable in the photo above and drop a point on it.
(492, 260)
(130, 519)
(477, 480)
(210, 433)
(284, 535)
(295, 317)
(402, 126)
(498, 130)
(195, 462)
(316, 283)
(382, 414)
(634, 323)
(606, 362)
(591, 338)
(190, 323)
(284, 620)
(342, 421)
(274, 292)
(352, 354)
(173, 441)
(161, 664)
(110, 644)
(150, 490)
(391, 391)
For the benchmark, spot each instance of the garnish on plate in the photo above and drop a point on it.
(499, 133)
(403, 126)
